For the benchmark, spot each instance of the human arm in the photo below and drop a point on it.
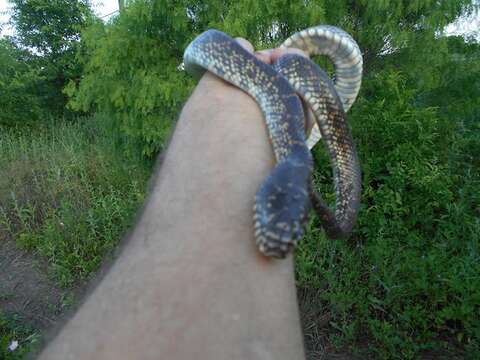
(189, 282)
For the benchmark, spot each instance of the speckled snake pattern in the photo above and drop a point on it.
(285, 198)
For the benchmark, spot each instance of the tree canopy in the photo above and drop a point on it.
(49, 30)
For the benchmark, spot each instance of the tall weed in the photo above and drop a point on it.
(68, 193)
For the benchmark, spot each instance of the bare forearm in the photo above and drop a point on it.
(190, 282)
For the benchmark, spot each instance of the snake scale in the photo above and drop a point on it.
(284, 199)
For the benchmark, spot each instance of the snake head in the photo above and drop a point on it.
(281, 208)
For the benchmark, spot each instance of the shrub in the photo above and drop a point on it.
(410, 275)
(133, 71)
(19, 100)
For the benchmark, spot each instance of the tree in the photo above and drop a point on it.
(50, 27)
(19, 82)
(133, 71)
(50, 31)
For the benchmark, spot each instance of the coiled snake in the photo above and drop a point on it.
(284, 199)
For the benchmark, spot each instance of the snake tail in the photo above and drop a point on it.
(342, 49)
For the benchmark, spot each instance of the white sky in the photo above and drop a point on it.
(470, 26)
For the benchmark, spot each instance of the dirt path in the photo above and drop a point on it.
(26, 291)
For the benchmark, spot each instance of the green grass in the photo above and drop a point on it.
(68, 193)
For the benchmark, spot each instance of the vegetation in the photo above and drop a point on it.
(11, 331)
(67, 193)
(410, 275)
(133, 74)
(48, 34)
(20, 101)
(408, 281)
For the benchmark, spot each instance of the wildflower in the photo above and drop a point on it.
(13, 345)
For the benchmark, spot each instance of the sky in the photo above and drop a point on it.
(470, 25)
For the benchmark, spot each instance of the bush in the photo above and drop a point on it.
(19, 100)
(133, 71)
(410, 275)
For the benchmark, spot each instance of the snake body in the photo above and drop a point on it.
(347, 58)
(284, 199)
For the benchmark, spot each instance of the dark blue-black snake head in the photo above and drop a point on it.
(282, 205)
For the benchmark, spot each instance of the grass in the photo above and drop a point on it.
(67, 193)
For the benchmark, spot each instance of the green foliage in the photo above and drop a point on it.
(50, 32)
(386, 25)
(133, 71)
(66, 193)
(19, 98)
(132, 65)
(50, 27)
(410, 276)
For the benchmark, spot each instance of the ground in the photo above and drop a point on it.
(26, 289)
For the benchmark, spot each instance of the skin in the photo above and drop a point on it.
(189, 282)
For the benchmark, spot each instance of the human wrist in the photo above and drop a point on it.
(218, 156)
(233, 118)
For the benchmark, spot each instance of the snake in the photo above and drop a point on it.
(282, 90)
